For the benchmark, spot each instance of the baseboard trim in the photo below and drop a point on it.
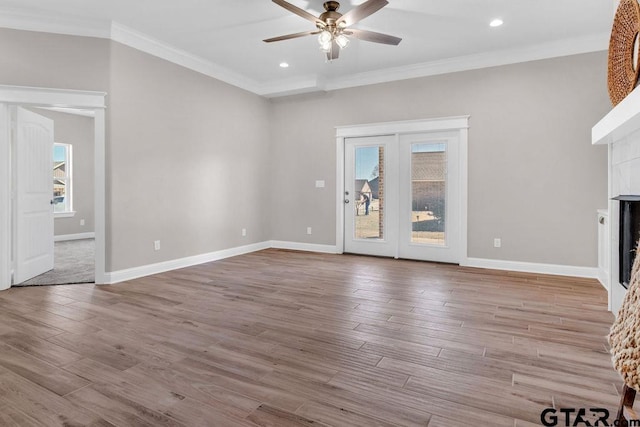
(162, 267)
(307, 247)
(531, 267)
(79, 236)
(603, 278)
(494, 264)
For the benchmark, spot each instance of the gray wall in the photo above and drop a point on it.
(79, 132)
(51, 60)
(188, 161)
(534, 179)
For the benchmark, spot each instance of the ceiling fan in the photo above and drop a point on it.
(333, 27)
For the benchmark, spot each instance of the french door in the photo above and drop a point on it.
(402, 196)
(372, 229)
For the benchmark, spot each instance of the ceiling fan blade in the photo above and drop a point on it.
(362, 11)
(295, 9)
(334, 52)
(291, 36)
(374, 37)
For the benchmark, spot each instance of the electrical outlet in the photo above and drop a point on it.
(156, 245)
(82, 222)
(308, 230)
(320, 184)
(497, 243)
(244, 232)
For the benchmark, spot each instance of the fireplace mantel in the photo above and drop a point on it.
(620, 122)
(620, 130)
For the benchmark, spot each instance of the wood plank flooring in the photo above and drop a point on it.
(280, 338)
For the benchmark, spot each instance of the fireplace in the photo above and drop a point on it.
(620, 131)
(629, 227)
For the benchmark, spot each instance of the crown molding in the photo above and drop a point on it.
(567, 47)
(20, 20)
(295, 86)
(155, 47)
(10, 18)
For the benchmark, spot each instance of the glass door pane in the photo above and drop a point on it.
(371, 197)
(428, 193)
(369, 193)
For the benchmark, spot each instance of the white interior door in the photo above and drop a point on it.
(412, 183)
(33, 209)
(371, 196)
(429, 218)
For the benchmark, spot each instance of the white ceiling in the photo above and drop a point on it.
(224, 38)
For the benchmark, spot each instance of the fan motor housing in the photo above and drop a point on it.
(331, 6)
(330, 16)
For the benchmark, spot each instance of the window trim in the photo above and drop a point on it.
(67, 214)
(68, 181)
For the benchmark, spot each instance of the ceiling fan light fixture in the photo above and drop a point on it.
(324, 37)
(333, 27)
(326, 47)
(342, 41)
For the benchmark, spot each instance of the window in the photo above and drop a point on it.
(62, 180)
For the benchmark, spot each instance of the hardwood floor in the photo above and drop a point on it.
(279, 338)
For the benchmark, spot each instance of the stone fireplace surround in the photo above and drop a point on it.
(620, 130)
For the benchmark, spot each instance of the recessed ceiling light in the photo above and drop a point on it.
(284, 65)
(496, 22)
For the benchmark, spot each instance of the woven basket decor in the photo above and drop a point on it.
(623, 68)
(624, 337)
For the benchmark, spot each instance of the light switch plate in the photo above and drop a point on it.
(320, 184)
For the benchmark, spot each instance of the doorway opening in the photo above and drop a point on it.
(13, 97)
(403, 189)
(71, 182)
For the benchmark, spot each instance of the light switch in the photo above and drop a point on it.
(320, 184)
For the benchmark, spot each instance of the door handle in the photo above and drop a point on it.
(346, 200)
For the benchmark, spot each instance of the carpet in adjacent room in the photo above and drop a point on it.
(74, 262)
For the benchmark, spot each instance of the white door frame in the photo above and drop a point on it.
(459, 124)
(45, 97)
